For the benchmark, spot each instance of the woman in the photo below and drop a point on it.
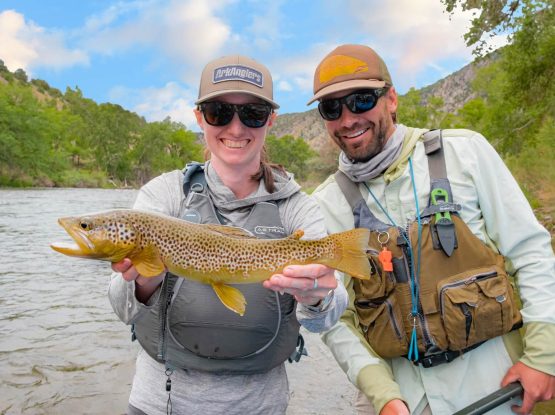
(196, 355)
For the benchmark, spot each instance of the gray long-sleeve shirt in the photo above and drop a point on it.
(203, 392)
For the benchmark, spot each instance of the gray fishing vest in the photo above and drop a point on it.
(191, 329)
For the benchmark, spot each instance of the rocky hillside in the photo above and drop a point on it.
(308, 125)
(455, 90)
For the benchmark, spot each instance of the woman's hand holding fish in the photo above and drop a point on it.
(144, 287)
(307, 283)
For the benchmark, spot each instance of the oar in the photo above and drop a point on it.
(493, 400)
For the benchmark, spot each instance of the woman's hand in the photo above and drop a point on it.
(144, 286)
(309, 284)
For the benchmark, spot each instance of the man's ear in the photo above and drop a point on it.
(392, 100)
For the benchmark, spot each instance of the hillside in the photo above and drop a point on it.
(455, 90)
(54, 139)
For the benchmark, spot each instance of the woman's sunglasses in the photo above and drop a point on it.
(218, 113)
(358, 102)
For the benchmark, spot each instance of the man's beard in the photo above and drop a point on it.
(368, 149)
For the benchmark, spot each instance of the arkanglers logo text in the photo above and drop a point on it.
(262, 230)
(238, 73)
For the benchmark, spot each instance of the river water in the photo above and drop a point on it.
(62, 349)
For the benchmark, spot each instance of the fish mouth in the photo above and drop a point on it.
(83, 247)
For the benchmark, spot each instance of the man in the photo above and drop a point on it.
(436, 327)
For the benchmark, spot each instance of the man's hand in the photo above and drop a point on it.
(395, 407)
(307, 283)
(144, 286)
(538, 386)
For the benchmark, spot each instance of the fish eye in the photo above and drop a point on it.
(85, 225)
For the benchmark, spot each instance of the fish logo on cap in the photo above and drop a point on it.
(339, 65)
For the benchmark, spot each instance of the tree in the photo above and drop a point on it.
(21, 75)
(291, 152)
(493, 17)
(413, 111)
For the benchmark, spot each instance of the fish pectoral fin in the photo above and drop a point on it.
(148, 262)
(230, 231)
(231, 297)
(298, 234)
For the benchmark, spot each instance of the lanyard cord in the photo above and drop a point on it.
(414, 274)
(413, 348)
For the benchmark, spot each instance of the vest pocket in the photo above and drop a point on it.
(475, 306)
(382, 324)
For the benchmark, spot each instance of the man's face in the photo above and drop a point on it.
(362, 136)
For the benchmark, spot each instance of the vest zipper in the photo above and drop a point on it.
(466, 281)
(467, 320)
(393, 320)
(428, 341)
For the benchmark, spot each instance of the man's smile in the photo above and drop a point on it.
(355, 134)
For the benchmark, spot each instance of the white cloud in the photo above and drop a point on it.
(26, 45)
(284, 86)
(156, 104)
(298, 71)
(189, 32)
(414, 34)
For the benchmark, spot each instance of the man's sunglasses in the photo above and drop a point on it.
(358, 102)
(218, 113)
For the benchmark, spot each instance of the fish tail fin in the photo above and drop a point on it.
(351, 249)
(231, 297)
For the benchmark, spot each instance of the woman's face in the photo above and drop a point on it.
(235, 144)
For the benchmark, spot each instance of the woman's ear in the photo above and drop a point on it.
(273, 117)
(200, 118)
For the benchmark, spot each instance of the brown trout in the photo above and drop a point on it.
(212, 254)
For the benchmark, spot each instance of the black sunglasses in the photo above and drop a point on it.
(358, 102)
(218, 113)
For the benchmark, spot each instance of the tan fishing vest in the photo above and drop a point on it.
(464, 296)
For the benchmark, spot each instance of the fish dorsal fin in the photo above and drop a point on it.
(298, 234)
(148, 262)
(230, 231)
(231, 297)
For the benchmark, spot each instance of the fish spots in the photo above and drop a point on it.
(211, 256)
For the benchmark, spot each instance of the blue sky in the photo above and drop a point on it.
(147, 55)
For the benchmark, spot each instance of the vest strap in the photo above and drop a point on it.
(364, 218)
(193, 174)
(349, 189)
(441, 195)
(443, 357)
(433, 147)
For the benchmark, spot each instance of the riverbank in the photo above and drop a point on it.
(317, 384)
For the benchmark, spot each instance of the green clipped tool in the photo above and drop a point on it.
(444, 224)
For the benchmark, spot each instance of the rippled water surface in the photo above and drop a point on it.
(62, 349)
